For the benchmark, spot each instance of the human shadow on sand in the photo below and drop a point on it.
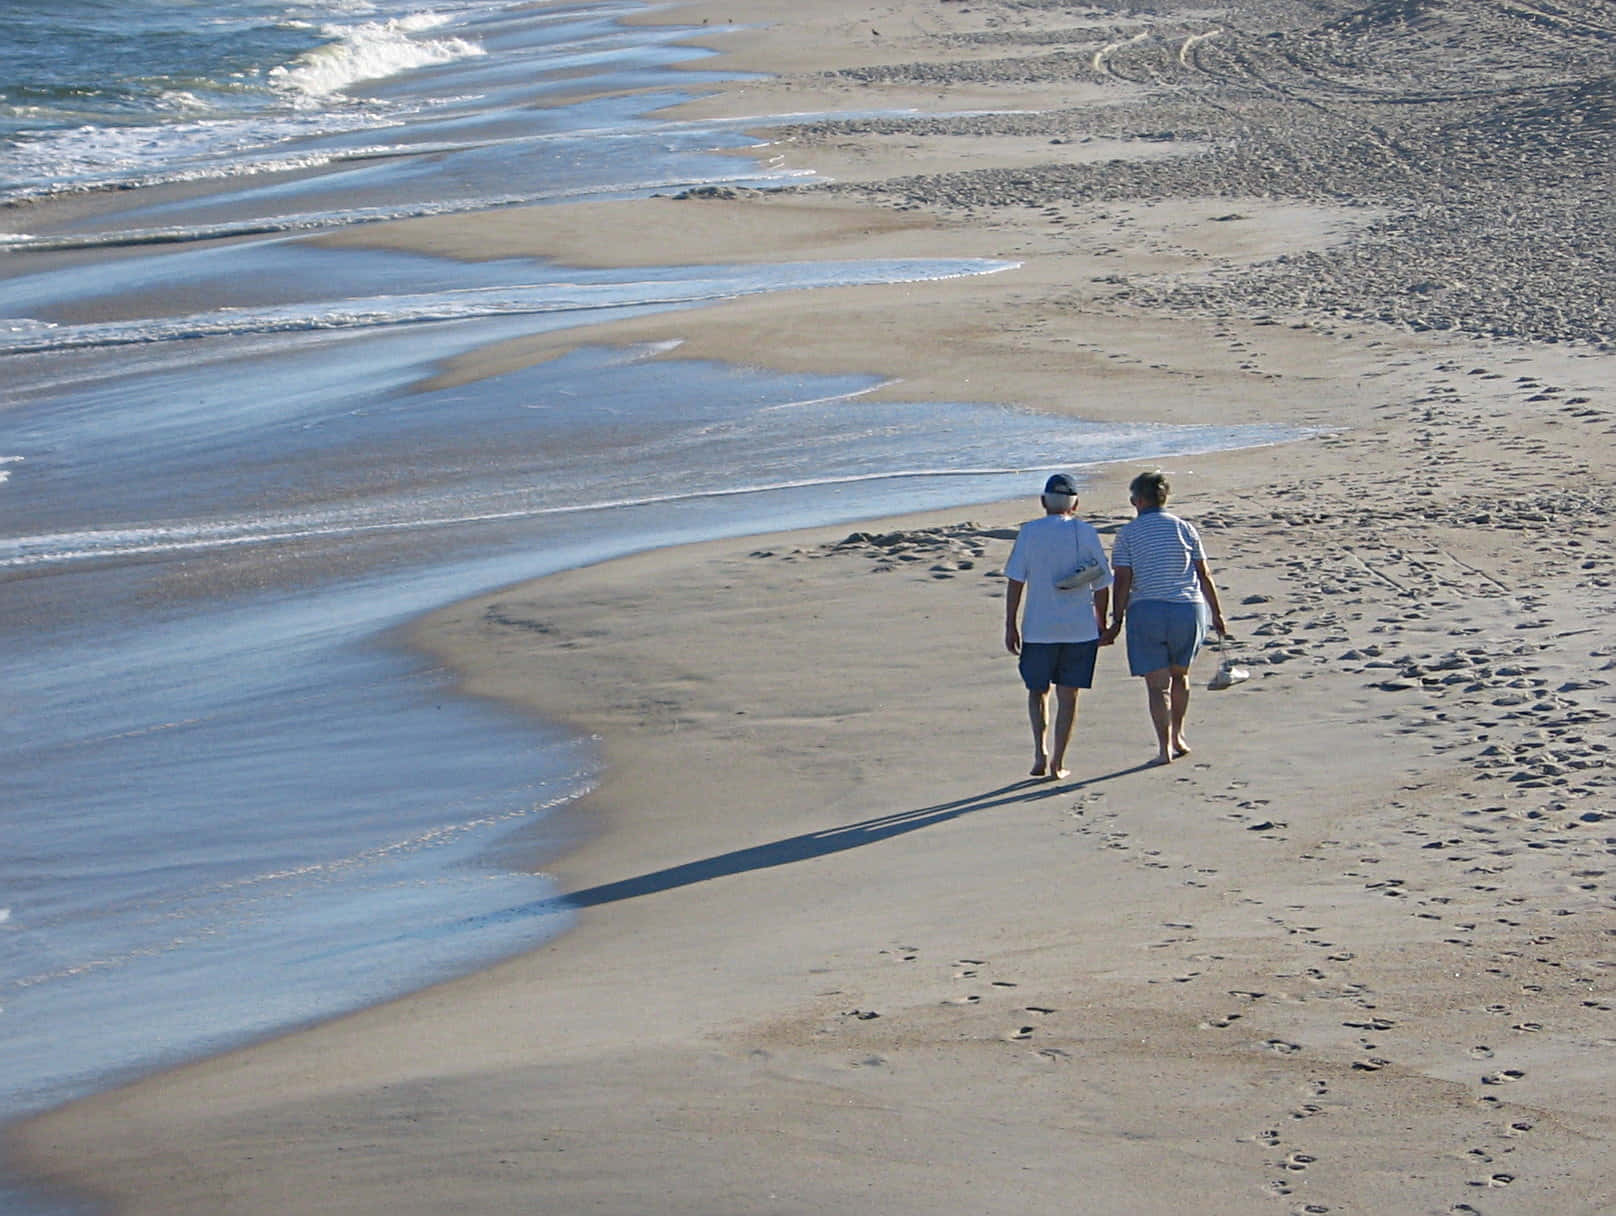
(820, 844)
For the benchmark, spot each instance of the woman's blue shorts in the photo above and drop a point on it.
(1164, 633)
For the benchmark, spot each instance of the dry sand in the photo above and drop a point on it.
(834, 951)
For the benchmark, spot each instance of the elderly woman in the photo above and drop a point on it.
(1165, 593)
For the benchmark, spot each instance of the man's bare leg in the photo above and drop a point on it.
(1065, 720)
(1158, 693)
(1178, 710)
(1038, 716)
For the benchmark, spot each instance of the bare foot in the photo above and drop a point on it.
(1180, 750)
(1040, 767)
(1059, 774)
(1159, 760)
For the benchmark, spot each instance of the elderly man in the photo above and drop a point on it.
(1058, 570)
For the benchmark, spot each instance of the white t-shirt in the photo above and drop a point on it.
(1048, 549)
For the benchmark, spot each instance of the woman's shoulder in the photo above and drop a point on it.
(1165, 520)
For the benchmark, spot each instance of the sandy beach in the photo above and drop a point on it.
(834, 949)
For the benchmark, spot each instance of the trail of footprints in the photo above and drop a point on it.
(1473, 660)
(983, 994)
(1511, 688)
(1335, 1092)
(1326, 1088)
(1022, 1019)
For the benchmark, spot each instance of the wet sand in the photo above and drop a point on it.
(835, 950)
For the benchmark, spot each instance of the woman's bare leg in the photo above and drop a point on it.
(1178, 709)
(1159, 694)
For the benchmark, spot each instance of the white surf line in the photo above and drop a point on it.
(116, 543)
(463, 304)
(280, 162)
(830, 398)
(247, 167)
(475, 303)
(316, 221)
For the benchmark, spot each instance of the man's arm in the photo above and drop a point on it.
(1012, 609)
(1102, 602)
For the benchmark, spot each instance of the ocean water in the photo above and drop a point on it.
(232, 802)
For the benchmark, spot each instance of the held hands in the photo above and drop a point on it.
(1109, 634)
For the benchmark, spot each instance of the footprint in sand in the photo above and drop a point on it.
(1503, 1076)
(1381, 1024)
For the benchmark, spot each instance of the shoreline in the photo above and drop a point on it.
(835, 949)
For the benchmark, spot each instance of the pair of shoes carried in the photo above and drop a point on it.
(1229, 672)
(1087, 572)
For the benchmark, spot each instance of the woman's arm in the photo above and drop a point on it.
(1210, 593)
(1119, 602)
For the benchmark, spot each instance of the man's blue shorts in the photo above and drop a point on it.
(1163, 633)
(1069, 664)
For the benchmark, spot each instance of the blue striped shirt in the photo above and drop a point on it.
(1161, 549)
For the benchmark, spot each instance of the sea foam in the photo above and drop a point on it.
(371, 50)
(671, 289)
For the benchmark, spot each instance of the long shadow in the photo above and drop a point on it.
(762, 856)
(821, 844)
